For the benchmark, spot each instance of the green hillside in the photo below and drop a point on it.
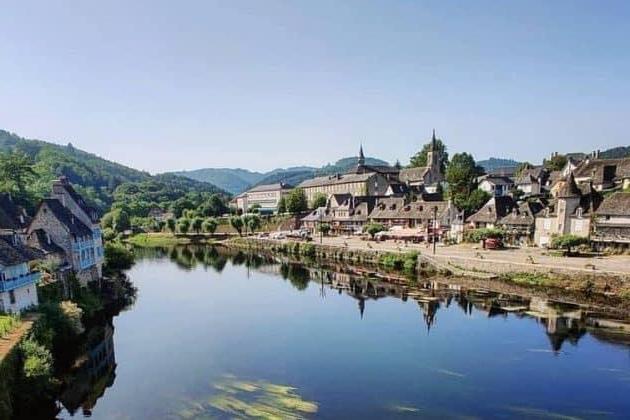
(233, 181)
(94, 177)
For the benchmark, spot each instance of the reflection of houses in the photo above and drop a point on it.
(95, 374)
(74, 226)
(562, 322)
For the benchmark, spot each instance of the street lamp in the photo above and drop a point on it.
(435, 209)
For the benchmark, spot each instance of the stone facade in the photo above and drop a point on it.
(267, 197)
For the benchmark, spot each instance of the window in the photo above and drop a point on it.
(547, 224)
(12, 297)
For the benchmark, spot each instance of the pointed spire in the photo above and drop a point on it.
(433, 141)
(361, 156)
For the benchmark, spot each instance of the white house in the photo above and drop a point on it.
(496, 186)
(18, 283)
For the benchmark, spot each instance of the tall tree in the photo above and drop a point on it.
(282, 205)
(16, 171)
(319, 200)
(237, 223)
(210, 225)
(556, 163)
(296, 201)
(420, 158)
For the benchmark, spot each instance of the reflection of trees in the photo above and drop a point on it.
(297, 275)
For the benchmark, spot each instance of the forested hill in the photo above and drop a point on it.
(94, 177)
(238, 180)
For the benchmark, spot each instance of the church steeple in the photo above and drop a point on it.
(433, 142)
(361, 156)
(433, 157)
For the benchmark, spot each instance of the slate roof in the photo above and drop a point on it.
(271, 187)
(413, 174)
(38, 239)
(569, 188)
(335, 180)
(496, 208)
(498, 180)
(10, 214)
(322, 214)
(398, 208)
(15, 254)
(595, 168)
(524, 214)
(617, 204)
(90, 211)
(532, 175)
(66, 218)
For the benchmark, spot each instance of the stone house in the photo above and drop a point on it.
(568, 213)
(520, 223)
(18, 280)
(73, 226)
(532, 180)
(612, 221)
(492, 212)
(365, 184)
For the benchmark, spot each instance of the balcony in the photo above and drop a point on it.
(16, 282)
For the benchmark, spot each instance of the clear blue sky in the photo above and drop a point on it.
(165, 85)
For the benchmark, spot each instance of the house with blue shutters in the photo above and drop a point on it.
(71, 224)
(18, 281)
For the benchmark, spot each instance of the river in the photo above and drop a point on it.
(212, 336)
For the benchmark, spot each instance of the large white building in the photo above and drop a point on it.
(265, 197)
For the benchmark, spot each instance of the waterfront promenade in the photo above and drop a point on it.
(471, 256)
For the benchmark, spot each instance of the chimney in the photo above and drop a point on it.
(48, 238)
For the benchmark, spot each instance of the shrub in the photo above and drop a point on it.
(568, 242)
(117, 257)
(477, 235)
(373, 228)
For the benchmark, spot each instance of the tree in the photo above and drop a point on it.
(196, 224)
(107, 221)
(522, 167)
(213, 206)
(461, 173)
(420, 158)
(320, 200)
(254, 223)
(471, 203)
(210, 226)
(373, 228)
(282, 205)
(171, 224)
(568, 241)
(237, 223)
(556, 163)
(183, 225)
(120, 220)
(16, 171)
(296, 201)
(324, 228)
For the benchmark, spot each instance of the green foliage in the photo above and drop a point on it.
(420, 158)
(16, 171)
(237, 223)
(319, 200)
(120, 220)
(117, 257)
(282, 205)
(522, 167)
(556, 163)
(38, 361)
(296, 201)
(253, 222)
(568, 242)
(373, 228)
(8, 323)
(406, 262)
(171, 224)
(478, 235)
(196, 224)
(472, 202)
(324, 228)
(210, 225)
(183, 225)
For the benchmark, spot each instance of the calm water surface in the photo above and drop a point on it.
(223, 340)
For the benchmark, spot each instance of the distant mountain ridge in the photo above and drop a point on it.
(94, 177)
(496, 164)
(237, 180)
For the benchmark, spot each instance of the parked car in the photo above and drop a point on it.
(493, 243)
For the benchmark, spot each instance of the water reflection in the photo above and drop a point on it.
(562, 322)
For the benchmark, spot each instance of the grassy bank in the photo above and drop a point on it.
(150, 240)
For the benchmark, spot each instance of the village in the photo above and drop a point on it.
(586, 201)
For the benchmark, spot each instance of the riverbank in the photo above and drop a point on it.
(564, 279)
(149, 240)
